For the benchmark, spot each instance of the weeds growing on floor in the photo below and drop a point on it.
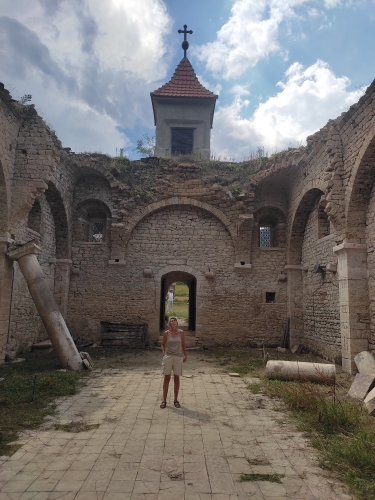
(338, 427)
(76, 427)
(272, 478)
(27, 394)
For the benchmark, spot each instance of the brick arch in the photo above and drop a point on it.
(304, 204)
(270, 212)
(93, 204)
(359, 191)
(62, 224)
(3, 203)
(178, 201)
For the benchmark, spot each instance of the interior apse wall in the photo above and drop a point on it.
(231, 307)
(320, 292)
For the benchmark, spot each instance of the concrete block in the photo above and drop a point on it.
(370, 402)
(365, 363)
(361, 385)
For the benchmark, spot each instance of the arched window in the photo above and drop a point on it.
(265, 235)
(271, 227)
(97, 229)
(92, 222)
(34, 217)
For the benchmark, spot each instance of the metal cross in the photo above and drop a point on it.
(185, 43)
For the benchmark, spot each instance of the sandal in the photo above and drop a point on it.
(163, 404)
(177, 404)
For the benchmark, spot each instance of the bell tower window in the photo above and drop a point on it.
(182, 140)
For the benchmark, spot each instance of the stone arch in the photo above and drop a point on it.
(3, 202)
(89, 211)
(359, 191)
(305, 203)
(173, 273)
(179, 201)
(62, 226)
(92, 186)
(191, 281)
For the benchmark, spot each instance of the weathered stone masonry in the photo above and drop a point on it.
(197, 219)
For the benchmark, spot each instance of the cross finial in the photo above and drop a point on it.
(185, 43)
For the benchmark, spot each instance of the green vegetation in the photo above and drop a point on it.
(272, 478)
(27, 394)
(146, 146)
(121, 161)
(235, 190)
(338, 427)
(76, 427)
(180, 304)
(181, 290)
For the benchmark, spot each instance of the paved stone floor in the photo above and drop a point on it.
(142, 452)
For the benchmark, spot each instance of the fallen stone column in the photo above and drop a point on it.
(47, 308)
(296, 370)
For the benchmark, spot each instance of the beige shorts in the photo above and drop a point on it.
(172, 363)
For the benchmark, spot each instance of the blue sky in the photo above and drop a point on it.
(282, 68)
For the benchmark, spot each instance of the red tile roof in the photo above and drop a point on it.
(184, 83)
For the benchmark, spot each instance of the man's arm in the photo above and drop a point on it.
(183, 345)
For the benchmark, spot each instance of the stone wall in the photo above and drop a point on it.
(201, 219)
(320, 291)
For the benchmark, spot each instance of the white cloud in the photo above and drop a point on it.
(313, 12)
(97, 57)
(309, 97)
(247, 37)
(215, 88)
(330, 4)
(240, 90)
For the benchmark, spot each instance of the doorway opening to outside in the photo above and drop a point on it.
(183, 287)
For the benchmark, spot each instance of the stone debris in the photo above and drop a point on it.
(370, 402)
(86, 360)
(296, 349)
(365, 363)
(361, 386)
(282, 349)
(234, 374)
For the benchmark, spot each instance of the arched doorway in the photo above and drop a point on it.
(191, 282)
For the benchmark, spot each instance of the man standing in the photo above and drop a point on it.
(169, 301)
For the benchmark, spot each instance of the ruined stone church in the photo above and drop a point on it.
(274, 250)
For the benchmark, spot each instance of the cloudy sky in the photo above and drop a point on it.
(282, 68)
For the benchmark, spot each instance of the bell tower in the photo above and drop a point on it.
(183, 112)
